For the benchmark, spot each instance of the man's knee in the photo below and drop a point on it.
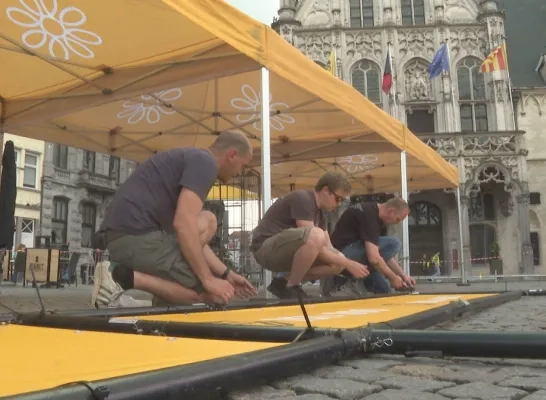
(316, 238)
(207, 224)
(392, 244)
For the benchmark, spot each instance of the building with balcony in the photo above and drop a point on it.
(29, 155)
(486, 124)
(78, 186)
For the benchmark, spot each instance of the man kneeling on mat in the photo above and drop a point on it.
(157, 233)
(291, 237)
(357, 236)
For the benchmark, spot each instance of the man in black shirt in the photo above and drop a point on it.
(358, 236)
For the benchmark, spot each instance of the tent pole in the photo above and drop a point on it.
(405, 223)
(464, 279)
(266, 157)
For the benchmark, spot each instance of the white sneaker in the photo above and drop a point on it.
(126, 301)
(105, 290)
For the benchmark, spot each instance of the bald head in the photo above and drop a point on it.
(232, 151)
(232, 140)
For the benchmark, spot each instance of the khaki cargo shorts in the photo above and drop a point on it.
(156, 253)
(277, 252)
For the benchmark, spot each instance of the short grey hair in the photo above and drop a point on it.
(232, 140)
(397, 203)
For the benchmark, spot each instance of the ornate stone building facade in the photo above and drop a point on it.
(467, 116)
(77, 187)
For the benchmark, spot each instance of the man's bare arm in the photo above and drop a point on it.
(300, 223)
(185, 223)
(395, 267)
(375, 259)
(215, 264)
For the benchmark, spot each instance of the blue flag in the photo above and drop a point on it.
(439, 63)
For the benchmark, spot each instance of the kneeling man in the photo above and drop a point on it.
(157, 233)
(357, 236)
(291, 238)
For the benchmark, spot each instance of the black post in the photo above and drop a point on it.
(248, 333)
(530, 345)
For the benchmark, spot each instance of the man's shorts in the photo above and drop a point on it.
(156, 253)
(276, 252)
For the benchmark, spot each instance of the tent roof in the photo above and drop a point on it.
(368, 174)
(182, 71)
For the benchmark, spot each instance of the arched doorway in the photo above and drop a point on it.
(425, 233)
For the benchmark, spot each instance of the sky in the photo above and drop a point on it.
(262, 10)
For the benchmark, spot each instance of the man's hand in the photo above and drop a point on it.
(219, 288)
(357, 270)
(210, 299)
(242, 286)
(397, 282)
(408, 280)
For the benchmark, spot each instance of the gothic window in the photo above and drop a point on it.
(472, 98)
(361, 13)
(482, 208)
(365, 78)
(413, 12)
(60, 156)
(424, 214)
(535, 244)
(59, 220)
(114, 168)
(420, 121)
(482, 241)
(89, 160)
(89, 219)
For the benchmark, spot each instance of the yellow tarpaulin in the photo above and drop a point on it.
(43, 358)
(341, 315)
(231, 193)
(139, 76)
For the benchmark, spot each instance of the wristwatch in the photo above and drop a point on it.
(225, 274)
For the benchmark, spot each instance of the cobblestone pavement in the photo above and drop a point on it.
(386, 377)
(399, 378)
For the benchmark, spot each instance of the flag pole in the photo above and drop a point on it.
(393, 89)
(453, 102)
(513, 112)
(334, 62)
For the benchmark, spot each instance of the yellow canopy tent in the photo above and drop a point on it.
(141, 76)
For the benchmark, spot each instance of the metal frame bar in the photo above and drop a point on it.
(280, 334)
(142, 311)
(210, 379)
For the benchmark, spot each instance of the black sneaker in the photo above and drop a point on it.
(277, 287)
(295, 292)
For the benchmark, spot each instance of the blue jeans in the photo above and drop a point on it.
(389, 246)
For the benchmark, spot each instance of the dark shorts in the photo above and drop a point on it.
(155, 253)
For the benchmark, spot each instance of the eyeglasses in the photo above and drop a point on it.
(338, 198)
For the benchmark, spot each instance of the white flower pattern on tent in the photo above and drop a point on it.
(251, 102)
(149, 109)
(358, 163)
(60, 30)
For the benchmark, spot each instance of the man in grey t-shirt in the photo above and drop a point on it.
(157, 234)
(292, 239)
